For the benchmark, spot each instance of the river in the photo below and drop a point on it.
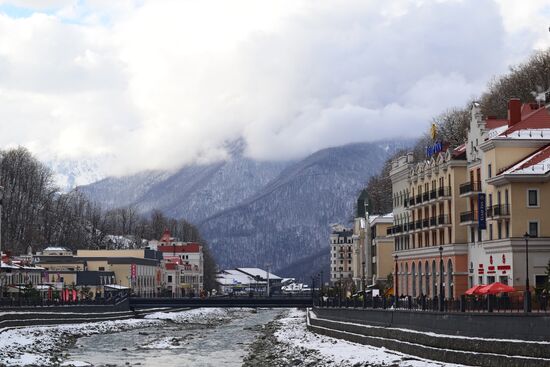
(174, 344)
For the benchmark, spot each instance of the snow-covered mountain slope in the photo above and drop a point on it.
(71, 173)
(253, 213)
(288, 221)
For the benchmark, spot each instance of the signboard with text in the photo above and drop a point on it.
(481, 211)
(133, 272)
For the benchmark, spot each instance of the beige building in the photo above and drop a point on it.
(509, 171)
(341, 254)
(429, 242)
(382, 247)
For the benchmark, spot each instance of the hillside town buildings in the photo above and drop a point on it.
(468, 215)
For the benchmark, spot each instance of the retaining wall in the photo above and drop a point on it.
(486, 325)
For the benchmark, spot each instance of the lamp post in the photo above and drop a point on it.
(441, 295)
(527, 293)
(396, 290)
(322, 284)
(363, 276)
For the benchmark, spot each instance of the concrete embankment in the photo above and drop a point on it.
(468, 350)
(56, 315)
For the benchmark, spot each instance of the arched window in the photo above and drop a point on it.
(413, 267)
(407, 279)
(450, 281)
(427, 271)
(420, 293)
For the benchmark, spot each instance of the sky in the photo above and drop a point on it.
(155, 84)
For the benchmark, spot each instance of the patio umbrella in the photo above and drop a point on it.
(495, 288)
(474, 290)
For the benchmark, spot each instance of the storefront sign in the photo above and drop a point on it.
(482, 211)
(133, 272)
(503, 267)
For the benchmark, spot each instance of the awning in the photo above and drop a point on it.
(474, 290)
(495, 288)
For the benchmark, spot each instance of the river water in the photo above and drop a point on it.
(174, 344)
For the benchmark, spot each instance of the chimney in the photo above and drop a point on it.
(514, 111)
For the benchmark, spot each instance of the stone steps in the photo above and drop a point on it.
(445, 348)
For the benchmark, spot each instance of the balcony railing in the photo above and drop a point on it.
(418, 199)
(469, 216)
(470, 187)
(425, 223)
(433, 194)
(443, 219)
(411, 201)
(433, 221)
(426, 196)
(444, 191)
(418, 224)
(502, 210)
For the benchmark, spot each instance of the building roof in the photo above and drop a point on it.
(385, 218)
(56, 248)
(533, 120)
(257, 272)
(190, 247)
(537, 163)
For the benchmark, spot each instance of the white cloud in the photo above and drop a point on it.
(157, 84)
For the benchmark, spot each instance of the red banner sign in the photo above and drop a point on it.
(503, 267)
(133, 271)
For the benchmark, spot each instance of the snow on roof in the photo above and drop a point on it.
(537, 163)
(257, 272)
(115, 286)
(537, 119)
(526, 134)
(7, 266)
(56, 248)
(229, 277)
(381, 218)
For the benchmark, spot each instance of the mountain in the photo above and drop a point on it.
(194, 192)
(254, 213)
(71, 173)
(286, 224)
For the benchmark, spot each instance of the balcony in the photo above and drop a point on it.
(498, 211)
(470, 188)
(418, 224)
(411, 201)
(469, 217)
(433, 221)
(433, 194)
(425, 223)
(444, 192)
(443, 219)
(418, 199)
(426, 196)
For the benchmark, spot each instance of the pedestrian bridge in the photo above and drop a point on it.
(224, 302)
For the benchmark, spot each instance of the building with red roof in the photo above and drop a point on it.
(183, 265)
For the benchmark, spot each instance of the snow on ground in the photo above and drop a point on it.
(197, 315)
(293, 332)
(44, 345)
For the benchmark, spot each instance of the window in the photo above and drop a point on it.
(533, 229)
(507, 229)
(491, 231)
(101, 268)
(503, 279)
(490, 279)
(533, 197)
(489, 170)
(169, 279)
(480, 280)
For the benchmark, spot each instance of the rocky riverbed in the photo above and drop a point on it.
(285, 341)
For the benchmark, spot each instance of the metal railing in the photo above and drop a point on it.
(501, 210)
(443, 219)
(444, 191)
(470, 187)
(474, 304)
(468, 216)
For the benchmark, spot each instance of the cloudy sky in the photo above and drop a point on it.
(157, 84)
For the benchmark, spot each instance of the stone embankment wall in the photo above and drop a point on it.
(446, 347)
(53, 315)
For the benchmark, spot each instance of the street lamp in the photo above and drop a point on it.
(527, 293)
(396, 290)
(363, 276)
(441, 299)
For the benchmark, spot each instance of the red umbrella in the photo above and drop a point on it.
(474, 290)
(495, 288)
